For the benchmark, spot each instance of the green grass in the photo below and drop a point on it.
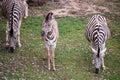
(72, 56)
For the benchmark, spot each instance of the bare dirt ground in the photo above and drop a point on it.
(81, 8)
(74, 8)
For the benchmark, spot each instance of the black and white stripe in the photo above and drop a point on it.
(97, 33)
(14, 11)
(50, 35)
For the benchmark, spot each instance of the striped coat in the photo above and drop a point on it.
(14, 11)
(50, 36)
(97, 33)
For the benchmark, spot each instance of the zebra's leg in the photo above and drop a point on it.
(49, 57)
(7, 44)
(52, 0)
(19, 44)
(93, 61)
(103, 55)
(26, 10)
(45, 53)
(103, 65)
(52, 58)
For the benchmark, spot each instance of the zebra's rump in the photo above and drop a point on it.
(97, 29)
(7, 6)
(98, 35)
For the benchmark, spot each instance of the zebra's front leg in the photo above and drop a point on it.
(52, 58)
(45, 54)
(26, 10)
(19, 44)
(103, 65)
(49, 58)
(7, 28)
(26, 13)
(93, 61)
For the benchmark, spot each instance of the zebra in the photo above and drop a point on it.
(14, 11)
(50, 35)
(97, 33)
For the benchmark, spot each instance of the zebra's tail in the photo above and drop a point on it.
(98, 53)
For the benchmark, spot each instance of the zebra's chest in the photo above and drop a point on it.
(50, 39)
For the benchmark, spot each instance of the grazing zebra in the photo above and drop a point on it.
(50, 36)
(97, 33)
(13, 11)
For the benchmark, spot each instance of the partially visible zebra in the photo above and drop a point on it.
(50, 36)
(97, 33)
(13, 11)
(0, 3)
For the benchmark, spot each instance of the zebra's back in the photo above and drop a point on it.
(7, 7)
(95, 23)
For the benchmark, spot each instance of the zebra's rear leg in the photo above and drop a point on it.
(7, 28)
(93, 61)
(49, 58)
(45, 54)
(52, 58)
(19, 44)
(7, 44)
(103, 65)
(26, 9)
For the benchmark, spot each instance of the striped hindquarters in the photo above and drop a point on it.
(97, 30)
(20, 6)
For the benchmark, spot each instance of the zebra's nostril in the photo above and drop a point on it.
(97, 70)
(11, 49)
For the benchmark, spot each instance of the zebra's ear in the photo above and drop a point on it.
(103, 50)
(94, 51)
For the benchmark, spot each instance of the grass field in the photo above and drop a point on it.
(72, 56)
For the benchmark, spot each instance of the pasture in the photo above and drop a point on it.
(73, 56)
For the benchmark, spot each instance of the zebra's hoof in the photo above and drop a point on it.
(49, 68)
(7, 47)
(44, 59)
(104, 68)
(54, 69)
(25, 17)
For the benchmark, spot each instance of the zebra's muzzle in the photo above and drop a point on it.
(11, 49)
(97, 70)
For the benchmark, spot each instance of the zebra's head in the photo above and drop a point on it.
(48, 24)
(12, 39)
(98, 55)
